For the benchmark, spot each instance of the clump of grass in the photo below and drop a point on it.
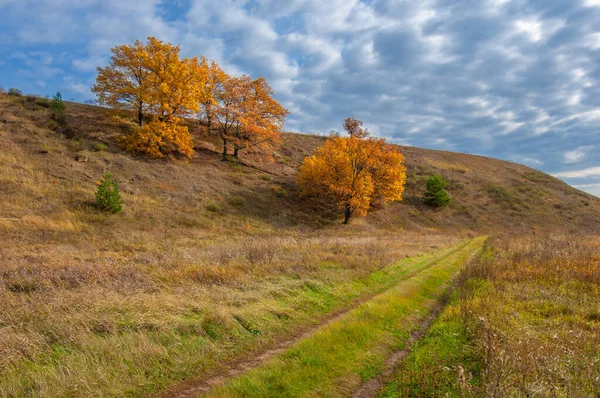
(99, 146)
(214, 207)
(266, 177)
(236, 201)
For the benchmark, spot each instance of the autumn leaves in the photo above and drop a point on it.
(356, 171)
(151, 80)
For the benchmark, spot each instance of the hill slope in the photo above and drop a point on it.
(49, 175)
(210, 261)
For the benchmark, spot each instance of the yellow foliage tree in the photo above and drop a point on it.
(212, 89)
(150, 77)
(356, 171)
(158, 138)
(124, 84)
(249, 116)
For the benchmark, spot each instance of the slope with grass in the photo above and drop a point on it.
(209, 260)
(339, 356)
(524, 322)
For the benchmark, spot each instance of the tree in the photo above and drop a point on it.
(108, 197)
(151, 78)
(174, 85)
(57, 104)
(355, 171)
(212, 89)
(248, 115)
(124, 83)
(435, 193)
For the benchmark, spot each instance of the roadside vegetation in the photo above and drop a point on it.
(524, 322)
(338, 357)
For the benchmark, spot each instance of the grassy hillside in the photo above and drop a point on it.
(209, 260)
(208, 194)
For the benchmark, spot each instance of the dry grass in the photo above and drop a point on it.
(524, 322)
(203, 253)
(537, 322)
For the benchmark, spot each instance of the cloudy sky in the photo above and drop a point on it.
(512, 79)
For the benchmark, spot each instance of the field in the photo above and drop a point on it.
(212, 264)
(524, 322)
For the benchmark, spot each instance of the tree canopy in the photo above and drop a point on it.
(355, 171)
(151, 79)
(435, 192)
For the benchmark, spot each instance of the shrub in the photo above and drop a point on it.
(99, 147)
(236, 200)
(43, 102)
(279, 191)
(160, 138)
(15, 92)
(76, 145)
(108, 197)
(214, 207)
(435, 194)
(265, 177)
(57, 105)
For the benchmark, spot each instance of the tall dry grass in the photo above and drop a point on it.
(532, 308)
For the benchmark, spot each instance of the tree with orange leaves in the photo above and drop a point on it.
(211, 90)
(248, 115)
(355, 171)
(151, 78)
(124, 84)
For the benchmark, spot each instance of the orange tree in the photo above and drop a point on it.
(355, 171)
(211, 90)
(153, 78)
(124, 84)
(248, 115)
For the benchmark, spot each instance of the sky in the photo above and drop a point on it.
(511, 79)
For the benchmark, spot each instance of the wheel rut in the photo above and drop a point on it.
(242, 365)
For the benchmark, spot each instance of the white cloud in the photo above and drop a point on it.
(574, 156)
(589, 172)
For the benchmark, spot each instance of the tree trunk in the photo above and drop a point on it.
(347, 214)
(236, 147)
(140, 114)
(224, 148)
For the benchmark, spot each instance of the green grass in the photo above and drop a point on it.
(337, 358)
(142, 345)
(443, 363)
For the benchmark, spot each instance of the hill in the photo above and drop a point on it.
(62, 167)
(210, 261)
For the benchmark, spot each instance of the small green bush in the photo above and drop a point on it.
(435, 193)
(43, 102)
(76, 145)
(108, 197)
(266, 177)
(15, 92)
(99, 147)
(279, 191)
(57, 105)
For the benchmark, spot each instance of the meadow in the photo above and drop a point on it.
(524, 321)
(213, 262)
